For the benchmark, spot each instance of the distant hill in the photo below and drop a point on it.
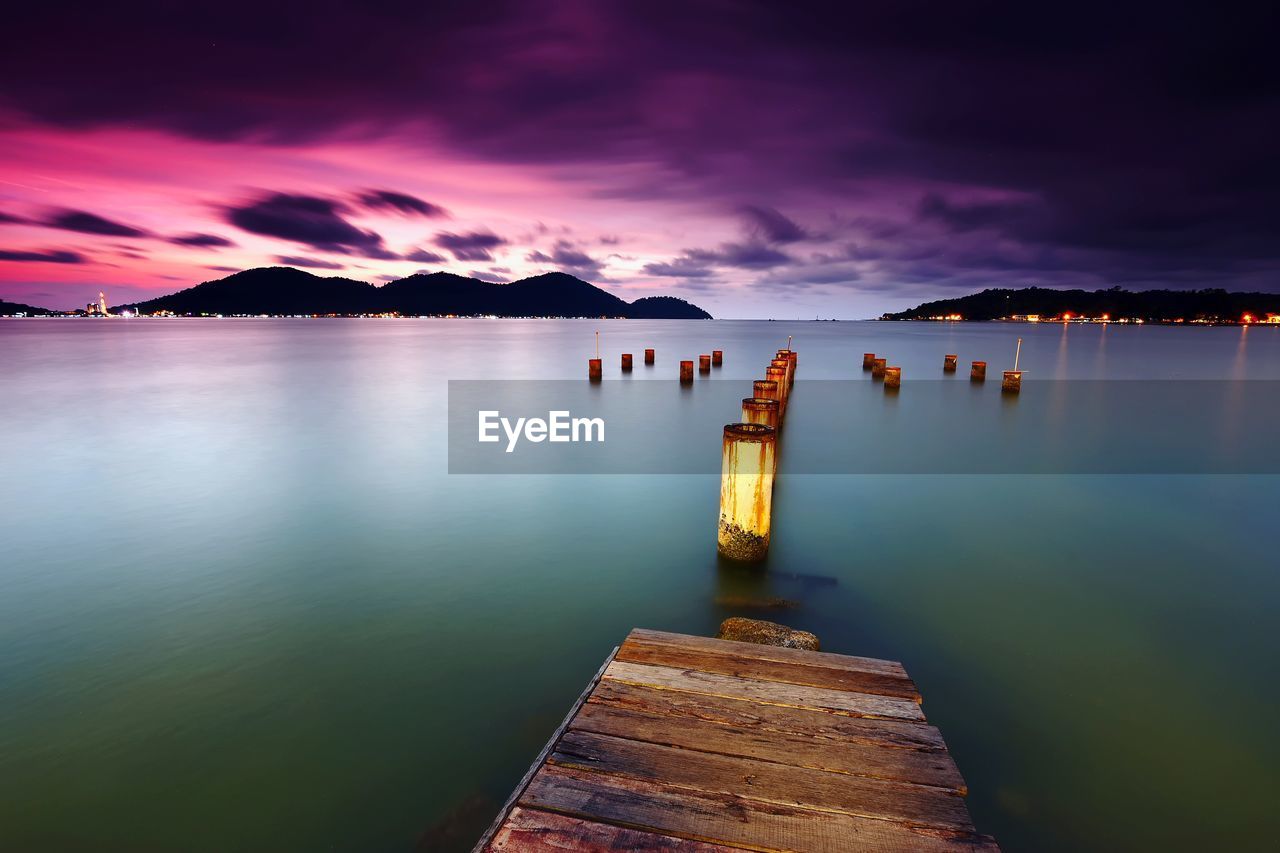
(269, 290)
(8, 309)
(666, 308)
(285, 290)
(1150, 305)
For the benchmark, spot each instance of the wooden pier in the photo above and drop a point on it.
(685, 743)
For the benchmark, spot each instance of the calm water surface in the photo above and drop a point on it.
(244, 607)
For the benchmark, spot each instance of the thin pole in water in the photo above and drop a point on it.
(598, 343)
(788, 342)
(1017, 354)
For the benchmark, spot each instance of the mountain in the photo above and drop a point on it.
(8, 309)
(269, 290)
(1151, 305)
(665, 308)
(285, 290)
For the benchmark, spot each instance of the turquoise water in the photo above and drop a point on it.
(244, 607)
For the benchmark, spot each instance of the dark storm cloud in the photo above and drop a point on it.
(211, 241)
(492, 278)
(12, 218)
(401, 203)
(310, 263)
(1135, 132)
(310, 220)
(84, 222)
(48, 256)
(474, 246)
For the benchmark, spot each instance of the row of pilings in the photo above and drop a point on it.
(892, 376)
(749, 461)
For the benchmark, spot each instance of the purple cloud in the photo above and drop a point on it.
(309, 220)
(422, 256)
(400, 203)
(311, 263)
(48, 256)
(84, 222)
(474, 246)
(211, 241)
(768, 225)
(684, 267)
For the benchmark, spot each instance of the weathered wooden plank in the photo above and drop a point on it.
(769, 718)
(771, 653)
(762, 780)
(935, 769)
(533, 831)
(542, 756)
(770, 692)
(731, 662)
(731, 820)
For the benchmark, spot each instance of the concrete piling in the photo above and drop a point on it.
(892, 378)
(878, 367)
(868, 360)
(626, 362)
(686, 371)
(704, 363)
(1012, 383)
(949, 363)
(746, 491)
(760, 410)
(789, 357)
(648, 356)
(717, 357)
(978, 372)
(595, 369)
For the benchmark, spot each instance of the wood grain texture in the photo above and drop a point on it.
(813, 672)
(730, 820)
(744, 713)
(769, 692)
(711, 746)
(771, 653)
(532, 831)
(930, 768)
(765, 781)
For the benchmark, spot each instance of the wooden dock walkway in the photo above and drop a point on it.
(685, 743)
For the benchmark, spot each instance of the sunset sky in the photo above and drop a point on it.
(759, 159)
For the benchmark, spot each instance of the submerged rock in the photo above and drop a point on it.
(766, 634)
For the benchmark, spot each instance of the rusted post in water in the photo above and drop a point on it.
(760, 410)
(766, 388)
(594, 369)
(704, 363)
(787, 356)
(746, 491)
(1012, 383)
(892, 378)
(717, 357)
(686, 371)
(868, 360)
(648, 356)
(949, 363)
(978, 373)
(626, 362)
(777, 374)
(785, 366)
(877, 368)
